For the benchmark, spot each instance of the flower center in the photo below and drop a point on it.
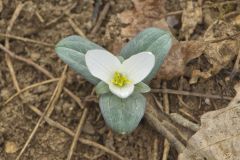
(119, 79)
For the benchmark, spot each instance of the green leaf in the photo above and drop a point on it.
(121, 59)
(102, 88)
(122, 115)
(142, 88)
(72, 51)
(78, 43)
(154, 40)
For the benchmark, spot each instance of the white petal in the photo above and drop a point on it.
(102, 64)
(138, 66)
(122, 92)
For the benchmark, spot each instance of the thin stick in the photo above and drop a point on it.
(40, 18)
(71, 133)
(164, 131)
(223, 38)
(26, 40)
(30, 87)
(186, 93)
(75, 27)
(101, 18)
(77, 134)
(50, 104)
(179, 119)
(206, 6)
(43, 70)
(190, 116)
(167, 111)
(59, 89)
(155, 149)
(7, 58)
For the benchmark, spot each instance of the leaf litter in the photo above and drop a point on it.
(186, 52)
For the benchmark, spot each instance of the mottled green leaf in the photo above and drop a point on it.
(72, 50)
(154, 40)
(141, 88)
(102, 88)
(122, 115)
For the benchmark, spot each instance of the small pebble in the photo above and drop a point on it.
(10, 147)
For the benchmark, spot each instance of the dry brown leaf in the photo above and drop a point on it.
(191, 16)
(218, 54)
(180, 54)
(219, 135)
(147, 13)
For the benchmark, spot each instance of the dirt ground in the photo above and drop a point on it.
(49, 21)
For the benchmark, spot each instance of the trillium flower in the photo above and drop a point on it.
(120, 77)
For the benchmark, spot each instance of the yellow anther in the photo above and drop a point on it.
(119, 79)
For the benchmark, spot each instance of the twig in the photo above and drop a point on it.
(40, 18)
(186, 93)
(190, 116)
(59, 89)
(96, 10)
(30, 87)
(180, 97)
(7, 58)
(155, 149)
(223, 38)
(76, 136)
(164, 131)
(75, 27)
(26, 40)
(177, 118)
(41, 69)
(71, 133)
(157, 102)
(166, 109)
(101, 18)
(206, 6)
(39, 121)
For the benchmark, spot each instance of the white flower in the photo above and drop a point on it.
(121, 77)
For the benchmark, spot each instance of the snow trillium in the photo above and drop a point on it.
(120, 77)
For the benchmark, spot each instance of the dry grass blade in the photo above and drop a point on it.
(71, 133)
(155, 149)
(163, 130)
(101, 18)
(7, 58)
(51, 103)
(78, 132)
(186, 93)
(41, 69)
(26, 40)
(59, 91)
(30, 87)
(166, 109)
(179, 119)
(76, 28)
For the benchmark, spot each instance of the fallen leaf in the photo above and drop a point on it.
(218, 54)
(144, 14)
(180, 54)
(191, 16)
(219, 135)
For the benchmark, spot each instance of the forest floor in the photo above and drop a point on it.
(30, 67)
